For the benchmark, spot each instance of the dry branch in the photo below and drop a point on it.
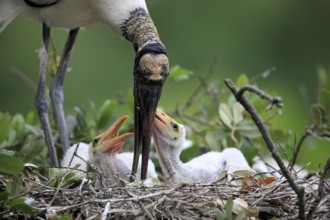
(239, 95)
(186, 201)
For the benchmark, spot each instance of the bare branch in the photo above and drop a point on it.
(239, 95)
(320, 190)
(307, 133)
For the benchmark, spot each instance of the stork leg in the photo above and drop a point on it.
(56, 90)
(41, 103)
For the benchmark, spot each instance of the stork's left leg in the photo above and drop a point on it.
(40, 101)
(56, 90)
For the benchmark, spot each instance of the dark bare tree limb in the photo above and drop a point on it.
(239, 95)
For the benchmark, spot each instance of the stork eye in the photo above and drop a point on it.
(96, 140)
(175, 127)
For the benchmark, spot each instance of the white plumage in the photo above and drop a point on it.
(102, 152)
(71, 13)
(128, 18)
(169, 137)
(71, 161)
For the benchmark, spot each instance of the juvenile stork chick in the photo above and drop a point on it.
(169, 137)
(103, 153)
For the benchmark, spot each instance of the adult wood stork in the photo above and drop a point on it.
(102, 152)
(129, 18)
(169, 137)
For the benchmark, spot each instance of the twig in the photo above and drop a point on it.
(307, 133)
(106, 211)
(24, 78)
(152, 195)
(145, 210)
(320, 190)
(273, 100)
(192, 98)
(263, 74)
(266, 136)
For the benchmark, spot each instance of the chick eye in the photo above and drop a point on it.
(96, 140)
(175, 127)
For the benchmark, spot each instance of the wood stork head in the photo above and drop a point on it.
(151, 69)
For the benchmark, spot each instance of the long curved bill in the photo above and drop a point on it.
(150, 73)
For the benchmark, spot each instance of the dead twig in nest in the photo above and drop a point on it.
(185, 201)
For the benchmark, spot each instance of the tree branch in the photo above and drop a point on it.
(239, 95)
(307, 133)
(320, 190)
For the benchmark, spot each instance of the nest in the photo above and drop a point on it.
(81, 200)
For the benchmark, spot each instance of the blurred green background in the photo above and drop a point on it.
(245, 37)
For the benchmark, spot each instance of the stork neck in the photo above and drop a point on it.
(174, 170)
(140, 29)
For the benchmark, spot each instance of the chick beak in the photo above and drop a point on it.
(150, 73)
(162, 120)
(110, 139)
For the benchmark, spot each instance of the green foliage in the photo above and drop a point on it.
(62, 177)
(228, 214)
(177, 73)
(212, 124)
(10, 201)
(106, 113)
(10, 165)
(5, 127)
(242, 80)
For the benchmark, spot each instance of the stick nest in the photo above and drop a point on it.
(81, 200)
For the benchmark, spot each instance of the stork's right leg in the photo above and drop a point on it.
(40, 99)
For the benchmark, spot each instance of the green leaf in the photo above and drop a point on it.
(242, 80)
(322, 74)
(225, 115)
(324, 99)
(54, 174)
(69, 178)
(63, 218)
(20, 205)
(5, 126)
(10, 165)
(178, 74)
(30, 118)
(80, 116)
(237, 112)
(248, 129)
(218, 214)
(4, 195)
(229, 209)
(18, 124)
(318, 114)
(31, 149)
(14, 185)
(214, 138)
(106, 113)
(16, 201)
(34, 130)
(189, 153)
(25, 208)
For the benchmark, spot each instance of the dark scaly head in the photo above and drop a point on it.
(151, 69)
